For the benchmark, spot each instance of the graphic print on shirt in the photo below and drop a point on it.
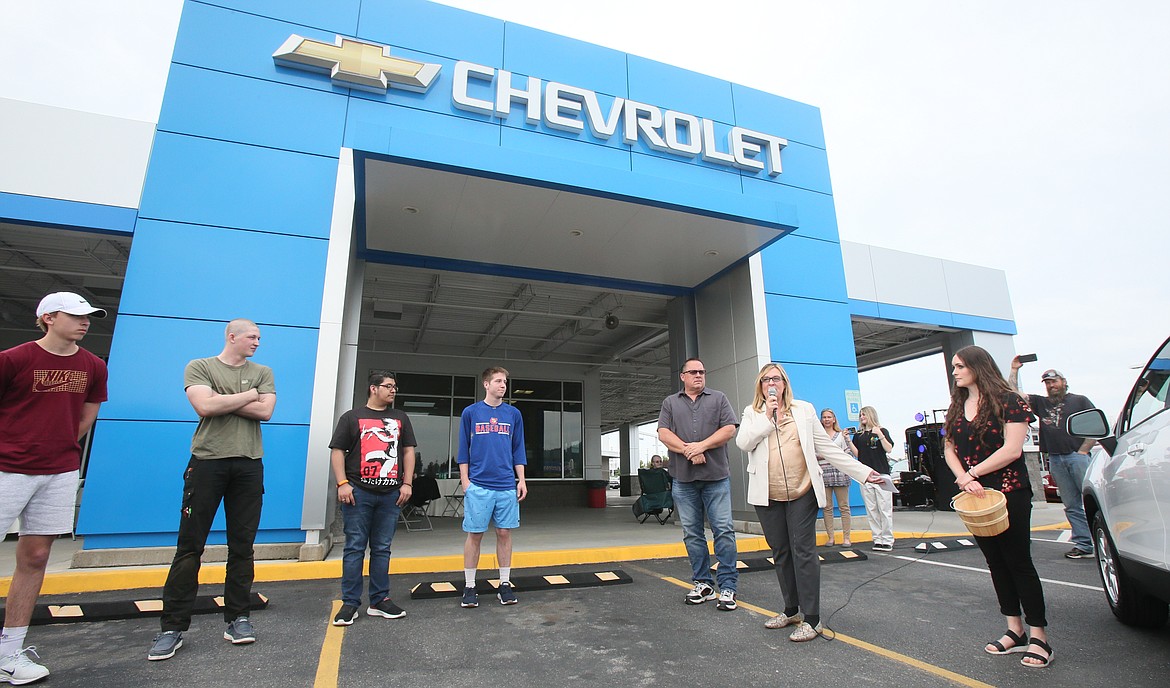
(1052, 417)
(60, 381)
(493, 427)
(379, 450)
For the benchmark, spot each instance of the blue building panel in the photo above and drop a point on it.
(284, 275)
(804, 167)
(435, 29)
(156, 454)
(773, 114)
(136, 357)
(809, 331)
(207, 182)
(239, 109)
(674, 88)
(822, 386)
(817, 216)
(799, 266)
(340, 16)
(242, 43)
(55, 212)
(687, 172)
(564, 60)
(565, 151)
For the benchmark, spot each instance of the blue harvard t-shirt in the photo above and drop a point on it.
(491, 442)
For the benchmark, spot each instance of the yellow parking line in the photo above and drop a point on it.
(870, 647)
(329, 663)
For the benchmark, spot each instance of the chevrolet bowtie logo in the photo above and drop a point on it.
(356, 64)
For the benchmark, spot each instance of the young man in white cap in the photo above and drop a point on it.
(50, 391)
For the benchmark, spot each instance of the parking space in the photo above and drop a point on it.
(907, 619)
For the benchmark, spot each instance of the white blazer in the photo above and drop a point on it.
(756, 431)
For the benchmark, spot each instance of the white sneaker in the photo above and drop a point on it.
(18, 669)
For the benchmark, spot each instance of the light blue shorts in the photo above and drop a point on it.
(481, 506)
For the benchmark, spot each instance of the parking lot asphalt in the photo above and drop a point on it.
(906, 618)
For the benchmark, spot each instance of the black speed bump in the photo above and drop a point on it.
(45, 614)
(521, 584)
(945, 545)
(769, 564)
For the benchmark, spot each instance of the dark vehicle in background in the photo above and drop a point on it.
(1127, 496)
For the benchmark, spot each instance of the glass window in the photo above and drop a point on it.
(572, 391)
(535, 389)
(1149, 396)
(467, 386)
(417, 383)
(542, 437)
(431, 420)
(572, 441)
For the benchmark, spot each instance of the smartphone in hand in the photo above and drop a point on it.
(1027, 358)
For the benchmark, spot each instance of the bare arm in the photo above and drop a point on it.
(1014, 376)
(521, 486)
(261, 409)
(464, 476)
(671, 441)
(344, 489)
(407, 490)
(208, 403)
(88, 415)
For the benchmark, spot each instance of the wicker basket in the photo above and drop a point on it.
(984, 516)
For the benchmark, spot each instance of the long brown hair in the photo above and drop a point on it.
(992, 390)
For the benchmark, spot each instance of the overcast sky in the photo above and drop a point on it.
(1026, 136)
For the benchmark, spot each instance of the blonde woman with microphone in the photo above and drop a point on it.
(783, 438)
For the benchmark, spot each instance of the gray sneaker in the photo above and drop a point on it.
(240, 631)
(165, 645)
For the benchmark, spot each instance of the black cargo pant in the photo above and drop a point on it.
(239, 483)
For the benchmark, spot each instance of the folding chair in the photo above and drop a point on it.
(656, 498)
(414, 512)
(454, 505)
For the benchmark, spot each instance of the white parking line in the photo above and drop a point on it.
(919, 560)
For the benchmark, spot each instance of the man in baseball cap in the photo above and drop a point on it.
(50, 391)
(1068, 456)
(67, 302)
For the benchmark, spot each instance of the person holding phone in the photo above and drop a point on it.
(871, 446)
(1068, 456)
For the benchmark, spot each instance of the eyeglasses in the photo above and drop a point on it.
(388, 386)
(694, 372)
(772, 380)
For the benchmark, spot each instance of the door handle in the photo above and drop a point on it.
(1136, 448)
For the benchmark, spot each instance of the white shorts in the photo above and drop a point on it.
(44, 503)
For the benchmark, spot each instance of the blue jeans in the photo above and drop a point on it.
(1068, 470)
(370, 520)
(711, 499)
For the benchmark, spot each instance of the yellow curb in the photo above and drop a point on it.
(131, 578)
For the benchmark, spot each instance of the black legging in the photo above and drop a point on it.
(1009, 558)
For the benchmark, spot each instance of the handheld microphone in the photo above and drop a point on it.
(772, 394)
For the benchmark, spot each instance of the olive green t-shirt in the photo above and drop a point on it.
(229, 435)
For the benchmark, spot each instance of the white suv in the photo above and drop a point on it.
(1127, 496)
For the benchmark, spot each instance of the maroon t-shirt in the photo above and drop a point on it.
(41, 398)
(973, 445)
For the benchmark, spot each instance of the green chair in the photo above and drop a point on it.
(655, 499)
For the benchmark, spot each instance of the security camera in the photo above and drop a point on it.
(611, 321)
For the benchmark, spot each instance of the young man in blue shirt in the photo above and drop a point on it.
(491, 468)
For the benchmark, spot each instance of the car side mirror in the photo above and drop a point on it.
(1091, 423)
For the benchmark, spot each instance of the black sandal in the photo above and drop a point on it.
(1019, 645)
(1032, 655)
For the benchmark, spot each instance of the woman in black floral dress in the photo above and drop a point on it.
(987, 424)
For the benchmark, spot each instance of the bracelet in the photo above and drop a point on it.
(973, 476)
(343, 482)
(410, 485)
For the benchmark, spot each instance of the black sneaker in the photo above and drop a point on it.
(386, 609)
(165, 645)
(346, 615)
(470, 598)
(702, 592)
(506, 594)
(1075, 553)
(240, 631)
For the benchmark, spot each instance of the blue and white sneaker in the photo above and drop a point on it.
(19, 669)
(240, 631)
(506, 594)
(470, 598)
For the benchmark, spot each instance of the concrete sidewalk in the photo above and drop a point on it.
(545, 538)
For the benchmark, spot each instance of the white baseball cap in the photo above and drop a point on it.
(68, 302)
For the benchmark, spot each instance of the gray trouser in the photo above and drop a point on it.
(791, 531)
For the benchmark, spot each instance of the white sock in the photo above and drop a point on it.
(469, 577)
(505, 574)
(12, 640)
